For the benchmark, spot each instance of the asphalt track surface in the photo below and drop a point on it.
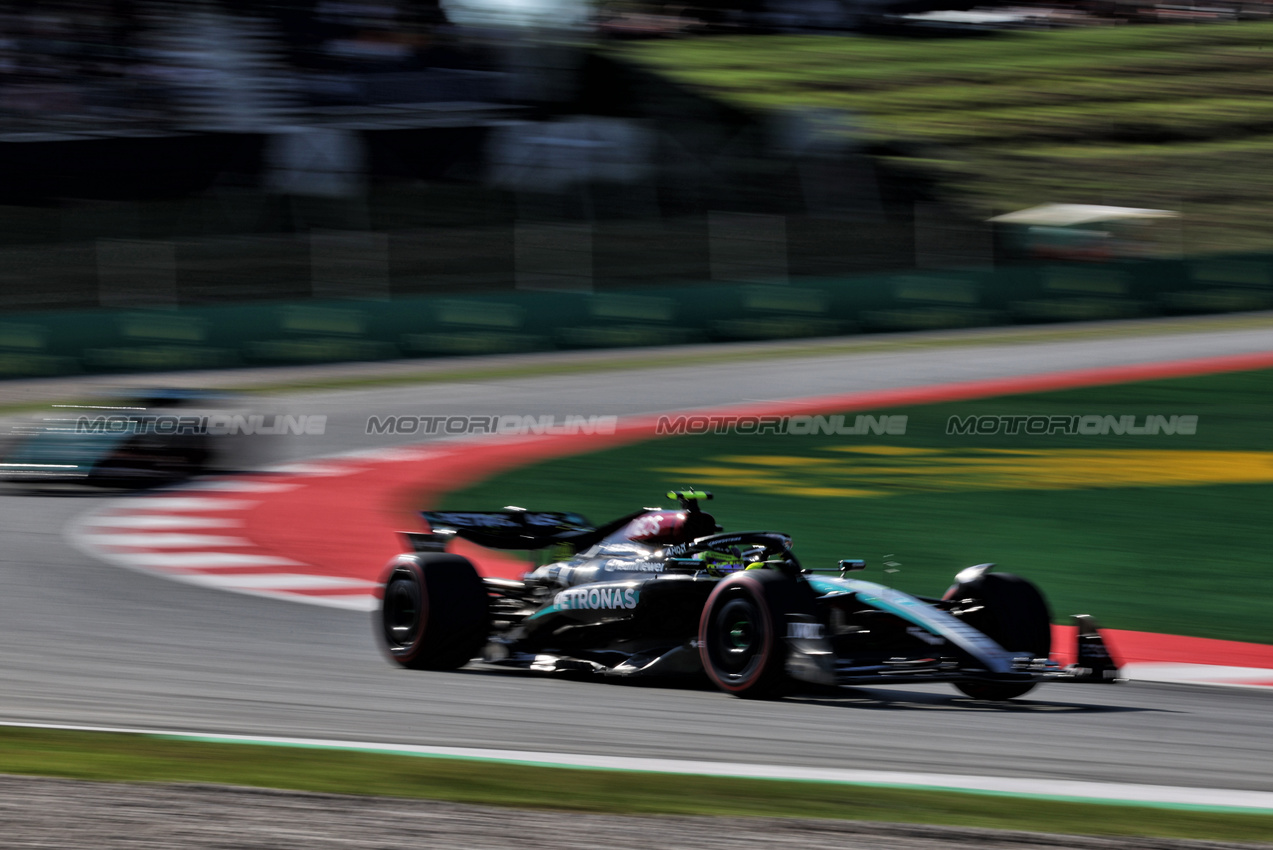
(83, 642)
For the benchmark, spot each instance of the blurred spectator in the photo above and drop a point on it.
(358, 35)
(76, 58)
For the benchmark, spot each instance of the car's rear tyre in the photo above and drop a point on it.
(739, 639)
(434, 615)
(1013, 613)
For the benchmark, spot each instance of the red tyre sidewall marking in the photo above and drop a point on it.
(755, 590)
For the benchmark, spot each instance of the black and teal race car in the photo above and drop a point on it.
(667, 593)
(139, 439)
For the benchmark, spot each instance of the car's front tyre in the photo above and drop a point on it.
(1014, 614)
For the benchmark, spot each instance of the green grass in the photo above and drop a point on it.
(1146, 115)
(1189, 560)
(134, 758)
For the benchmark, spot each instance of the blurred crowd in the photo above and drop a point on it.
(370, 35)
(146, 60)
(77, 57)
(96, 64)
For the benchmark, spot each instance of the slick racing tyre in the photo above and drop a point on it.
(1015, 615)
(434, 614)
(741, 633)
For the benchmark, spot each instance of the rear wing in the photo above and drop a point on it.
(512, 529)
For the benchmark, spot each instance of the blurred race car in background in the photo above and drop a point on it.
(664, 592)
(146, 438)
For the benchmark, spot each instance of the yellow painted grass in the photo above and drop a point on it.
(873, 471)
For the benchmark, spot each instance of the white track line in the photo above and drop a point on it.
(179, 503)
(159, 521)
(277, 581)
(235, 485)
(1199, 674)
(202, 560)
(165, 541)
(314, 469)
(364, 602)
(395, 453)
(1053, 789)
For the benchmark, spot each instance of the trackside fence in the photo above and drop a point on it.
(34, 344)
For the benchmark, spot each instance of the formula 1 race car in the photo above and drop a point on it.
(664, 592)
(151, 437)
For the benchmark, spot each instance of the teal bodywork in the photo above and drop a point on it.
(61, 453)
(913, 610)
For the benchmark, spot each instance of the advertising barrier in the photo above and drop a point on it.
(34, 344)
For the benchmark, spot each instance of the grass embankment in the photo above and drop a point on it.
(120, 757)
(1154, 533)
(1143, 116)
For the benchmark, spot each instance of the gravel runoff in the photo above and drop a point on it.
(42, 812)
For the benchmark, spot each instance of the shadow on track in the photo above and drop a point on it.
(896, 700)
(888, 699)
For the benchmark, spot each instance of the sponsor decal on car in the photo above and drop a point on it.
(804, 631)
(624, 549)
(646, 525)
(597, 598)
(477, 520)
(504, 519)
(619, 565)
